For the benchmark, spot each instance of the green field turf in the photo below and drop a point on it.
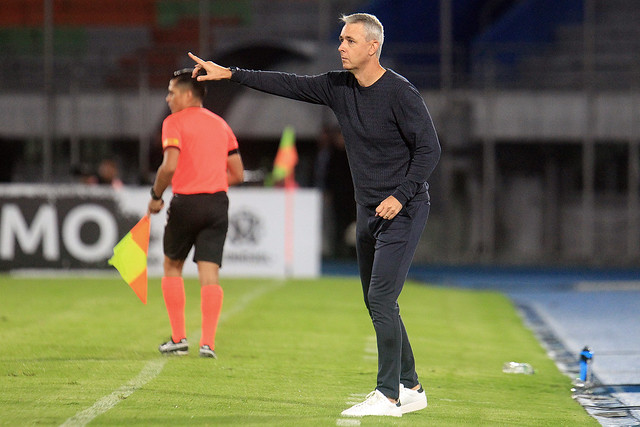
(289, 354)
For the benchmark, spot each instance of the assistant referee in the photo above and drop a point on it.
(200, 161)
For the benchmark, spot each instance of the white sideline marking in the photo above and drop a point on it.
(153, 368)
(371, 349)
(347, 422)
(355, 398)
(149, 372)
(370, 355)
(612, 285)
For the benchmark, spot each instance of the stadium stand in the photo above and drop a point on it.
(518, 92)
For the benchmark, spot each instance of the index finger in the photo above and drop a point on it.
(195, 58)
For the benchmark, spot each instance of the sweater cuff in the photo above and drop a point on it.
(236, 74)
(400, 197)
(405, 191)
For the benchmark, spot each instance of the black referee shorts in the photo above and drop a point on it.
(199, 220)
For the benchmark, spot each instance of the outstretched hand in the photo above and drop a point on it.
(213, 70)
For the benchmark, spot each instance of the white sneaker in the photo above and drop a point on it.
(376, 403)
(412, 400)
(180, 348)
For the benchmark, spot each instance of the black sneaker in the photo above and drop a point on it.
(175, 348)
(205, 351)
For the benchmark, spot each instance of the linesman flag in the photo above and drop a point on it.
(286, 159)
(130, 257)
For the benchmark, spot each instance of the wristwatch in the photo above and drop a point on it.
(154, 196)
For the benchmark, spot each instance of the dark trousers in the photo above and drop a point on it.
(385, 250)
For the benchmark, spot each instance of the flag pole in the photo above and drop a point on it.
(284, 172)
(289, 229)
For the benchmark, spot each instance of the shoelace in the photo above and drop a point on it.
(371, 399)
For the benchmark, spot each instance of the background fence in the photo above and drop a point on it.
(536, 103)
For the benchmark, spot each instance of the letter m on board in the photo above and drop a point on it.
(14, 229)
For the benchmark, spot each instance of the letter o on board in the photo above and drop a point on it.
(73, 222)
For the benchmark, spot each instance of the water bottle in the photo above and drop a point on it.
(586, 357)
(517, 368)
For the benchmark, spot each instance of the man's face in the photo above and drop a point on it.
(178, 97)
(355, 50)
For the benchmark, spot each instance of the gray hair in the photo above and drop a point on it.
(372, 27)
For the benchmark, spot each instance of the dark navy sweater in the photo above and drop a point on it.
(389, 136)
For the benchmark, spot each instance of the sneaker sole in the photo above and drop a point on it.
(412, 407)
(176, 353)
(397, 415)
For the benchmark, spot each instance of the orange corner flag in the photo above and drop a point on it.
(130, 257)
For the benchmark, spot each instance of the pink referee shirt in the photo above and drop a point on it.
(204, 140)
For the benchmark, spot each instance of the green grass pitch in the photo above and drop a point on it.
(290, 353)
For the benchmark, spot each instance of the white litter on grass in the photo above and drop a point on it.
(153, 368)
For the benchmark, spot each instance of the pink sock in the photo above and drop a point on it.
(174, 299)
(211, 305)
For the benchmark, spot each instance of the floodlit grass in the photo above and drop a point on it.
(289, 354)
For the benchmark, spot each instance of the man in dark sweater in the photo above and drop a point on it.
(392, 148)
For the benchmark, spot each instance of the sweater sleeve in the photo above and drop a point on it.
(416, 126)
(312, 89)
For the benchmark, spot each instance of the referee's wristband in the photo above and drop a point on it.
(154, 196)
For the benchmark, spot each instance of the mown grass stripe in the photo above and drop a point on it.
(291, 358)
(153, 368)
